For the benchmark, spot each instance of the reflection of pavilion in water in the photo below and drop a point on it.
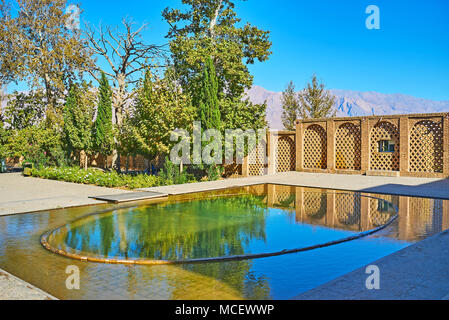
(418, 217)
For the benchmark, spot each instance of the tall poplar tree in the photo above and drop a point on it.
(103, 131)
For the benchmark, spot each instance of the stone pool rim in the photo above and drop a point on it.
(44, 242)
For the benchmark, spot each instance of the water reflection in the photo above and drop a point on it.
(169, 231)
(223, 226)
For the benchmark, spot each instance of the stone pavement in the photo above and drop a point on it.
(12, 288)
(19, 194)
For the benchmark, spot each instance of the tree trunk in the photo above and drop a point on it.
(82, 158)
(119, 102)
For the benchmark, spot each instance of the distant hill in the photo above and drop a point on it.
(353, 103)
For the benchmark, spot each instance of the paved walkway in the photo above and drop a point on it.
(19, 194)
(12, 288)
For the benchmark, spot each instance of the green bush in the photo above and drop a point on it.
(38, 145)
(170, 173)
(101, 178)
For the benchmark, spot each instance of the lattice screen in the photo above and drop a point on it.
(426, 147)
(384, 161)
(315, 204)
(315, 147)
(285, 154)
(347, 208)
(256, 159)
(348, 145)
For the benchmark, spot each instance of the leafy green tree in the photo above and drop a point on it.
(206, 29)
(38, 145)
(290, 107)
(42, 50)
(161, 106)
(315, 101)
(103, 131)
(4, 152)
(78, 114)
(25, 109)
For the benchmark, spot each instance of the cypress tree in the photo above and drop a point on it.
(104, 139)
(209, 109)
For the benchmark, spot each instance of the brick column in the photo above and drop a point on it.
(299, 203)
(271, 194)
(404, 145)
(365, 213)
(404, 218)
(272, 149)
(245, 167)
(445, 222)
(330, 146)
(365, 145)
(446, 145)
(330, 208)
(299, 147)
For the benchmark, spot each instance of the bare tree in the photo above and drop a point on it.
(127, 55)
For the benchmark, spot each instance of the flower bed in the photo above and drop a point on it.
(97, 177)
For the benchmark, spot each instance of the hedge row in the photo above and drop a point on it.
(98, 177)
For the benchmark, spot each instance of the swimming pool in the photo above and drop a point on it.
(240, 221)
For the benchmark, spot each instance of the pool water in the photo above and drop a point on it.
(256, 219)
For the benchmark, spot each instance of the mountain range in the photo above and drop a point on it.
(352, 103)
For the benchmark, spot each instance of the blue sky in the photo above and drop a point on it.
(408, 55)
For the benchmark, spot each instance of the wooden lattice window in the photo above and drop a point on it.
(426, 147)
(285, 154)
(315, 147)
(257, 160)
(348, 145)
(384, 161)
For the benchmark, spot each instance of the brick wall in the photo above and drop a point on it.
(352, 145)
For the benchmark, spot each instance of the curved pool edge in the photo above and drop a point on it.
(44, 242)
